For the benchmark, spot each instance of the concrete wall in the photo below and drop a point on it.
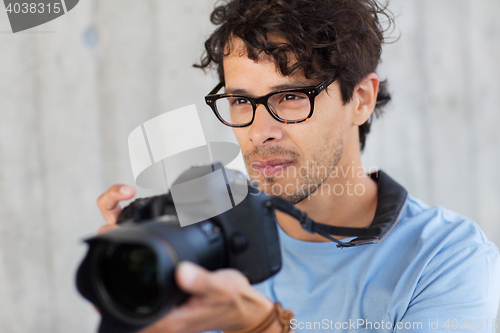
(68, 103)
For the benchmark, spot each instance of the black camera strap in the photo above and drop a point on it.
(391, 200)
(312, 226)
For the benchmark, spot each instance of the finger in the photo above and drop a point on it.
(106, 228)
(226, 292)
(188, 274)
(108, 201)
(197, 280)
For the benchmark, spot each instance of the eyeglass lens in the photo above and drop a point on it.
(290, 106)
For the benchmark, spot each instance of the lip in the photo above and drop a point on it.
(271, 167)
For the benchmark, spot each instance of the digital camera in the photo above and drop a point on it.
(128, 273)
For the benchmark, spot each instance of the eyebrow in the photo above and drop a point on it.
(299, 84)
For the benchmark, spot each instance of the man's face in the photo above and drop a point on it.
(287, 160)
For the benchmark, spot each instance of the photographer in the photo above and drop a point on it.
(299, 79)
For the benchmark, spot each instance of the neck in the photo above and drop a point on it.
(347, 198)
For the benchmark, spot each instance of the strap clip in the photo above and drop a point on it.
(307, 223)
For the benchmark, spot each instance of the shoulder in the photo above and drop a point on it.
(446, 244)
(441, 227)
(435, 241)
(450, 258)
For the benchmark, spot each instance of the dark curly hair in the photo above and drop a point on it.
(327, 37)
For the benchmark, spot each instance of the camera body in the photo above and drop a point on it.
(128, 273)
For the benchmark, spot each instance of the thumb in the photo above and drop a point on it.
(192, 278)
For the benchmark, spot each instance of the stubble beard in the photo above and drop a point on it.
(319, 168)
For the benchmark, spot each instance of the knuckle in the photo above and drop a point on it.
(236, 277)
(101, 199)
(229, 294)
(106, 199)
(229, 284)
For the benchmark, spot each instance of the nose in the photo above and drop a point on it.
(264, 130)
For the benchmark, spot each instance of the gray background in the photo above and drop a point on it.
(67, 105)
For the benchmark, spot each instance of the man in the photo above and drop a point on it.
(300, 90)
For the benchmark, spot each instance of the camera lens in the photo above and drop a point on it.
(129, 273)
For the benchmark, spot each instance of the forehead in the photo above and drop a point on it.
(240, 70)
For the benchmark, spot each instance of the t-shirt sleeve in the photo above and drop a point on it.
(458, 290)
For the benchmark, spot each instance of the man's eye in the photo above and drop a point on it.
(292, 97)
(239, 101)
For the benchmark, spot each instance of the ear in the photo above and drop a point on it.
(365, 96)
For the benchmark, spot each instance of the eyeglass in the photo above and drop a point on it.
(289, 106)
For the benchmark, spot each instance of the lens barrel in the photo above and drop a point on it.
(129, 273)
(133, 267)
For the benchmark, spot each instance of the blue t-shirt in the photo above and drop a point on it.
(429, 270)
(434, 272)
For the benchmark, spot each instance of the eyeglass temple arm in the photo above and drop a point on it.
(217, 88)
(325, 83)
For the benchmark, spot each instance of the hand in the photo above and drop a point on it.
(221, 300)
(109, 207)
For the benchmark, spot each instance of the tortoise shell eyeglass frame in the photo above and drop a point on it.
(310, 92)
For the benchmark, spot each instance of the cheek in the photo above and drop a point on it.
(241, 134)
(321, 135)
(332, 114)
(316, 143)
